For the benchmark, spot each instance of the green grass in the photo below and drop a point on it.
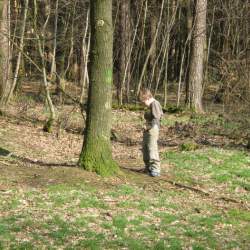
(171, 119)
(150, 222)
(211, 166)
(210, 124)
(84, 216)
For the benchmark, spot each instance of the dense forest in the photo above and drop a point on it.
(72, 124)
(156, 44)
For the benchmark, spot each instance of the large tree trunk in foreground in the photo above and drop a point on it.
(5, 64)
(198, 56)
(96, 154)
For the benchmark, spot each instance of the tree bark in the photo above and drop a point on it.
(124, 41)
(96, 153)
(197, 56)
(84, 76)
(189, 27)
(5, 53)
(19, 58)
(152, 32)
(150, 50)
(40, 42)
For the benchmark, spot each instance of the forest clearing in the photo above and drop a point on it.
(201, 201)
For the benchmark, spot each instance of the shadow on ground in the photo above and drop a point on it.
(7, 153)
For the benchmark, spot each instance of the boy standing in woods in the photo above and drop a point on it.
(151, 133)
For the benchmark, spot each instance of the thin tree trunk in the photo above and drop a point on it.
(153, 41)
(96, 153)
(164, 66)
(186, 48)
(189, 27)
(142, 42)
(84, 59)
(72, 42)
(20, 52)
(53, 64)
(208, 51)
(128, 64)
(150, 51)
(60, 57)
(40, 42)
(124, 45)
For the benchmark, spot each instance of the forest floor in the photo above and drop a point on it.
(201, 200)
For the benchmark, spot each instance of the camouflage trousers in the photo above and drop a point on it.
(150, 150)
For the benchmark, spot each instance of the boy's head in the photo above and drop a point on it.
(145, 96)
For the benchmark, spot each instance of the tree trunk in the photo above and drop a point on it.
(124, 41)
(150, 50)
(96, 153)
(5, 53)
(189, 21)
(60, 55)
(40, 42)
(53, 63)
(84, 76)
(152, 32)
(197, 56)
(19, 58)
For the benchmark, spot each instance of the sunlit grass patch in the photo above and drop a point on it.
(92, 202)
(120, 222)
(130, 216)
(213, 120)
(123, 190)
(126, 204)
(59, 229)
(171, 119)
(166, 218)
(207, 221)
(239, 215)
(211, 166)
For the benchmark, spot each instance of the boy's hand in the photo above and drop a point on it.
(146, 127)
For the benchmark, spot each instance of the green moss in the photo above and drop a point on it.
(130, 107)
(48, 126)
(109, 76)
(4, 152)
(96, 156)
(172, 109)
(189, 146)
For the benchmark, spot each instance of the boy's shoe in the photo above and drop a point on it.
(154, 174)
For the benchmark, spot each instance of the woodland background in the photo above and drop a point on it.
(151, 48)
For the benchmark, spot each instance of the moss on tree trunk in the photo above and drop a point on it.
(96, 153)
(97, 157)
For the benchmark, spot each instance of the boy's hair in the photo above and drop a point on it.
(145, 94)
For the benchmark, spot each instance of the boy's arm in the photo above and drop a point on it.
(157, 110)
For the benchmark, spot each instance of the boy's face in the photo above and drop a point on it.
(146, 102)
